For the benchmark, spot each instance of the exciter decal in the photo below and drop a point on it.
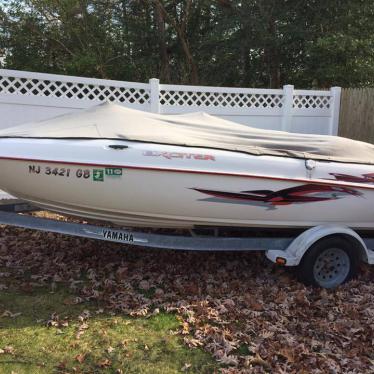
(364, 178)
(182, 155)
(307, 193)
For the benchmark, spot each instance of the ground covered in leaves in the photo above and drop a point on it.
(246, 314)
(44, 331)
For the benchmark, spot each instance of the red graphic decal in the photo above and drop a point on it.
(364, 178)
(306, 193)
(186, 156)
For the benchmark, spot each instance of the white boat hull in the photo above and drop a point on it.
(152, 185)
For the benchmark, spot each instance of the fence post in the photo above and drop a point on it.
(155, 95)
(287, 107)
(335, 110)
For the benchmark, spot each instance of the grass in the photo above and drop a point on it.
(109, 344)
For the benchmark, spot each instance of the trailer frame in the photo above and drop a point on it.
(288, 251)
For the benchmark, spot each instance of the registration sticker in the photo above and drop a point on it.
(113, 172)
(98, 175)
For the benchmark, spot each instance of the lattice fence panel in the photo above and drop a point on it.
(72, 90)
(220, 99)
(311, 102)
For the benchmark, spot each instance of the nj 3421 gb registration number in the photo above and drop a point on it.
(98, 175)
(59, 172)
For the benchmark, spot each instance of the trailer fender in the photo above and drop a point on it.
(293, 254)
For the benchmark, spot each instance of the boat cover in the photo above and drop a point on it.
(111, 121)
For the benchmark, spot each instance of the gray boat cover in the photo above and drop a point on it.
(110, 121)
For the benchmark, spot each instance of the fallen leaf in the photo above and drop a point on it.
(8, 350)
(186, 367)
(185, 328)
(288, 354)
(110, 349)
(104, 363)
(80, 357)
(258, 360)
(144, 285)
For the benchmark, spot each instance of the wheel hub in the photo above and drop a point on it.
(332, 267)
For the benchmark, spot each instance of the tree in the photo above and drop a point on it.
(261, 43)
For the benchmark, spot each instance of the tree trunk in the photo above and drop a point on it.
(194, 76)
(272, 56)
(180, 27)
(165, 75)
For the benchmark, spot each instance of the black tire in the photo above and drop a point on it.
(315, 270)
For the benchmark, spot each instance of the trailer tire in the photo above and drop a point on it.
(329, 262)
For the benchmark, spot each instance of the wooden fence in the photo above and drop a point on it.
(357, 114)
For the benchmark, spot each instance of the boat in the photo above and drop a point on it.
(139, 169)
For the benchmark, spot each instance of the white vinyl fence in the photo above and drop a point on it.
(27, 96)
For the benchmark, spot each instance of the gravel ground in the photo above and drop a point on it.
(252, 316)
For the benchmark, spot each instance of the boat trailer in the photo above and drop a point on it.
(326, 255)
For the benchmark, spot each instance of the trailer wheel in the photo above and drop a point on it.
(329, 263)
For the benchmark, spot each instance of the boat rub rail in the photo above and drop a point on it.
(171, 170)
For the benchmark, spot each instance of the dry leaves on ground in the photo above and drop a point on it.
(251, 316)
